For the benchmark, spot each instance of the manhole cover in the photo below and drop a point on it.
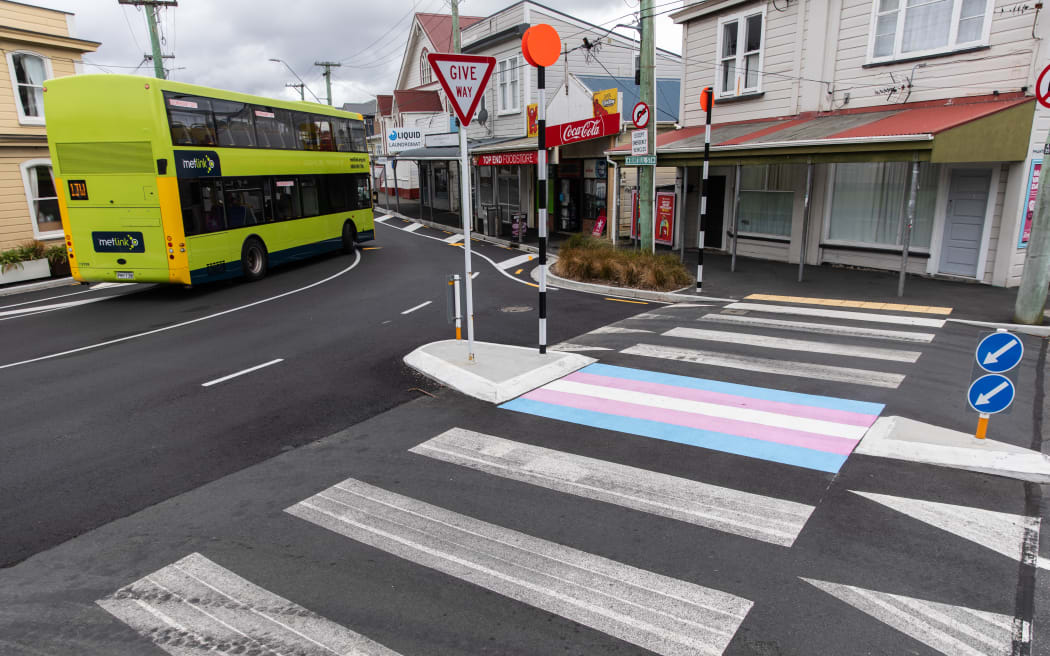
(733, 312)
(516, 308)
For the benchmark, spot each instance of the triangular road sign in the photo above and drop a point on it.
(464, 78)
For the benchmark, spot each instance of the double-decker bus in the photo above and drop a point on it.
(160, 181)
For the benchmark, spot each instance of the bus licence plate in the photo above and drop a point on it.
(125, 275)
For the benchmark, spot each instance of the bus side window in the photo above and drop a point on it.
(192, 210)
(286, 199)
(233, 124)
(307, 131)
(211, 203)
(190, 119)
(342, 135)
(362, 195)
(357, 136)
(308, 191)
(325, 139)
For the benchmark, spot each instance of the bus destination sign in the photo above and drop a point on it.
(78, 190)
(197, 164)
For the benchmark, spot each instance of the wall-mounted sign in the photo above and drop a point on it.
(576, 131)
(507, 159)
(441, 139)
(1029, 206)
(605, 102)
(400, 139)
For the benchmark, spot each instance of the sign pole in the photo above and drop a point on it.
(541, 211)
(706, 101)
(466, 207)
(982, 426)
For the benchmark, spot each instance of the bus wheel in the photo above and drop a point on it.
(254, 260)
(349, 237)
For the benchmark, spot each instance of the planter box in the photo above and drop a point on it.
(31, 270)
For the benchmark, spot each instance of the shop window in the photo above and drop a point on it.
(740, 39)
(869, 204)
(28, 72)
(507, 85)
(43, 201)
(913, 28)
(766, 200)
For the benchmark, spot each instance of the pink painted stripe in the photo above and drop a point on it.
(828, 443)
(779, 407)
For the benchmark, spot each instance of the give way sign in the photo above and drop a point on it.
(464, 78)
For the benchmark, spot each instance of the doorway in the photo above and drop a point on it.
(964, 221)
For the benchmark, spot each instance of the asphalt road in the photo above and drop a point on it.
(125, 423)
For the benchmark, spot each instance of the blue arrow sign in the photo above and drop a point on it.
(999, 352)
(991, 393)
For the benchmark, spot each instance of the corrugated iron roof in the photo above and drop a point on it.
(417, 100)
(439, 28)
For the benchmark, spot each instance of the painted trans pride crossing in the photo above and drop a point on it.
(804, 430)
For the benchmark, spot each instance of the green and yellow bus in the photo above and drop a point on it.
(160, 181)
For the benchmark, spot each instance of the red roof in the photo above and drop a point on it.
(385, 104)
(903, 120)
(416, 100)
(439, 28)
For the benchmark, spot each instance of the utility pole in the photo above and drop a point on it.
(328, 76)
(647, 174)
(455, 26)
(299, 86)
(151, 22)
(1031, 295)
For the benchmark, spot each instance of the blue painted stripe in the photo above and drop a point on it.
(763, 393)
(743, 446)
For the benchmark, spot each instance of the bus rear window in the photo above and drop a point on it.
(190, 119)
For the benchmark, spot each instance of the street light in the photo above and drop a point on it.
(281, 61)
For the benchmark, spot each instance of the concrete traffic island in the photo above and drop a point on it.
(907, 439)
(498, 373)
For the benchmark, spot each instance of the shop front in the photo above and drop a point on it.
(580, 194)
(504, 184)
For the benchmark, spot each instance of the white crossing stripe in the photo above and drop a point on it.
(412, 227)
(569, 347)
(781, 367)
(954, 630)
(616, 330)
(719, 508)
(1001, 532)
(195, 606)
(453, 239)
(839, 314)
(783, 343)
(515, 261)
(417, 307)
(384, 218)
(656, 612)
(820, 328)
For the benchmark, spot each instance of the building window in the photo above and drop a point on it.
(28, 72)
(43, 201)
(913, 28)
(740, 39)
(424, 68)
(869, 204)
(507, 90)
(766, 200)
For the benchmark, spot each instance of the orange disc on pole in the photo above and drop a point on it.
(541, 45)
(705, 98)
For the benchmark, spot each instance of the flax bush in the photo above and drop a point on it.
(587, 259)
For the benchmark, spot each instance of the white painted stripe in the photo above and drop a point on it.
(384, 218)
(54, 306)
(453, 239)
(780, 367)
(617, 330)
(412, 227)
(107, 285)
(650, 610)
(569, 347)
(241, 373)
(475, 275)
(357, 260)
(955, 630)
(417, 307)
(737, 413)
(515, 261)
(196, 601)
(1001, 532)
(785, 344)
(820, 328)
(692, 305)
(838, 314)
(719, 508)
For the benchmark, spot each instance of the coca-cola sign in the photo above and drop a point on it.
(590, 128)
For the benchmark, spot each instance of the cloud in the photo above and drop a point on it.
(227, 44)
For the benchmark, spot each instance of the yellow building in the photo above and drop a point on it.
(36, 44)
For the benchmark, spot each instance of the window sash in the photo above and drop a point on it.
(740, 67)
(869, 204)
(28, 72)
(508, 85)
(896, 31)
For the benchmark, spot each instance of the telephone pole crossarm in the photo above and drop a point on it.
(327, 65)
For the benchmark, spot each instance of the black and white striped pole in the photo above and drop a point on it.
(541, 47)
(706, 97)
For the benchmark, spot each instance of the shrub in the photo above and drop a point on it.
(13, 258)
(587, 259)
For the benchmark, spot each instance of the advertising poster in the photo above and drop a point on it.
(605, 102)
(1029, 206)
(532, 114)
(664, 218)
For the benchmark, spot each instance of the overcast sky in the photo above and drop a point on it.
(227, 43)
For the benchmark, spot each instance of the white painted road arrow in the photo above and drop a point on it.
(985, 398)
(992, 358)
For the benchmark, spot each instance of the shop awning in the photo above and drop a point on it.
(976, 129)
(506, 146)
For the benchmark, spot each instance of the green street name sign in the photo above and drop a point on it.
(640, 160)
